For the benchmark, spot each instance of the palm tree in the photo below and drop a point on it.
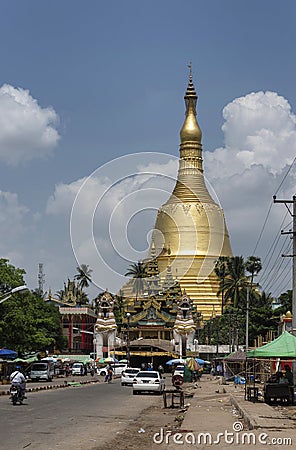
(139, 272)
(221, 272)
(83, 276)
(253, 266)
(235, 281)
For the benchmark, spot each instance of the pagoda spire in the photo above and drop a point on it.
(190, 186)
(190, 131)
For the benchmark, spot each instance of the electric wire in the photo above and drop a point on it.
(280, 288)
(278, 257)
(275, 241)
(278, 272)
(290, 167)
(269, 209)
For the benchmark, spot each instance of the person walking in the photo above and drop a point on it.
(160, 370)
(109, 374)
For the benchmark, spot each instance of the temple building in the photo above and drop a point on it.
(190, 232)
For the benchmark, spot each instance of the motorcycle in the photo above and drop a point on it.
(16, 395)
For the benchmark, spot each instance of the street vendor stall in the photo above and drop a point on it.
(281, 354)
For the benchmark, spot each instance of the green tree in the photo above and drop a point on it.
(235, 282)
(27, 323)
(83, 276)
(139, 272)
(261, 317)
(253, 266)
(119, 309)
(10, 277)
(221, 272)
(286, 303)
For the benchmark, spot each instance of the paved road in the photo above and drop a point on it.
(72, 418)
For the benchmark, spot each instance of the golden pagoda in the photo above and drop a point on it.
(190, 232)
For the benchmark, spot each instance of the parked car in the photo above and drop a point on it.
(77, 368)
(148, 380)
(179, 370)
(117, 368)
(128, 375)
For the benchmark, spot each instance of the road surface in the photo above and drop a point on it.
(73, 418)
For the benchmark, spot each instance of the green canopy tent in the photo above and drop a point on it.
(282, 347)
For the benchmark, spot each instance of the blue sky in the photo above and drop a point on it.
(107, 79)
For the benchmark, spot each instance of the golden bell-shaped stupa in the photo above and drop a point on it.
(190, 232)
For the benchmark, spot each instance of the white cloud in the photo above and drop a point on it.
(258, 129)
(114, 211)
(11, 215)
(12, 228)
(260, 145)
(27, 131)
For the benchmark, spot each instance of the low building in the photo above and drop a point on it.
(78, 324)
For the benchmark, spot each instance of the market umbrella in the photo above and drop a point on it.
(110, 359)
(192, 364)
(175, 361)
(49, 358)
(8, 353)
(106, 360)
(200, 361)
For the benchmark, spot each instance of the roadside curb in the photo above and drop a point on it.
(250, 422)
(52, 387)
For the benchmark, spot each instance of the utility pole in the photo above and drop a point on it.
(293, 256)
(247, 318)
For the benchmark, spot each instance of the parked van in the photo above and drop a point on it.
(117, 369)
(43, 370)
(78, 368)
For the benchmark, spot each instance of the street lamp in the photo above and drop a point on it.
(13, 291)
(128, 316)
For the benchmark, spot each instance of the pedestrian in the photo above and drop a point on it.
(109, 374)
(289, 374)
(281, 378)
(67, 370)
(160, 369)
(219, 369)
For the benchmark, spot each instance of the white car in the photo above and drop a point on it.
(148, 380)
(77, 369)
(179, 370)
(117, 368)
(128, 376)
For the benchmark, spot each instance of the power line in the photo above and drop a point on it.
(269, 209)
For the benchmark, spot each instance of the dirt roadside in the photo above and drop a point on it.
(139, 434)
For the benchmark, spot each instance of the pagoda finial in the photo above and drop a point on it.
(190, 70)
(190, 131)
